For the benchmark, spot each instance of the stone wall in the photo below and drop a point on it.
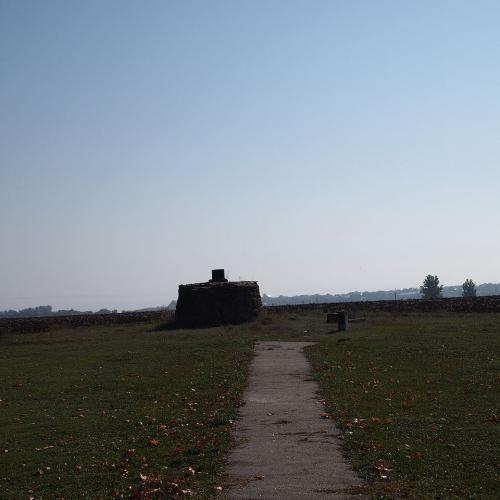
(43, 324)
(217, 303)
(489, 304)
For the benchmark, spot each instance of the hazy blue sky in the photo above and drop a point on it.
(315, 146)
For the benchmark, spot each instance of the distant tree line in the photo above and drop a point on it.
(467, 289)
(43, 311)
(431, 289)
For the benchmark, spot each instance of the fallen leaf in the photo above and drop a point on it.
(494, 419)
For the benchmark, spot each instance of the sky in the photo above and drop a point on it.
(313, 146)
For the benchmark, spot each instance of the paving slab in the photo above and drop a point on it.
(286, 450)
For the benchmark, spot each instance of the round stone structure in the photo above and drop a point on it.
(217, 302)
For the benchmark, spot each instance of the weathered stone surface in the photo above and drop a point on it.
(43, 324)
(486, 304)
(217, 303)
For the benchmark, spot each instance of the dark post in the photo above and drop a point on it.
(343, 321)
(218, 276)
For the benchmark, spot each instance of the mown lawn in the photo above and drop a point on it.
(102, 412)
(133, 412)
(418, 400)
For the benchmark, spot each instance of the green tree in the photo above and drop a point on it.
(469, 288)
(431, 289)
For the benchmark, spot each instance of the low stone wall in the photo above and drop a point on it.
(217, 303)
(454, 304)
(206, 304)
(42, 324)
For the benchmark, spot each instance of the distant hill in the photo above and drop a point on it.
(401, 294)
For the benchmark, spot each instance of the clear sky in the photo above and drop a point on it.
(314, 146)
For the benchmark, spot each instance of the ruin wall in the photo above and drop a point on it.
(217, 303)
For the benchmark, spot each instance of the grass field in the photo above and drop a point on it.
(104, 412)
(418, 399)
(122, 411)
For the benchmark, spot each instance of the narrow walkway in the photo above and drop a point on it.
(286, 450)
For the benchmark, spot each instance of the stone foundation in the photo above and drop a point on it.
(217, 303)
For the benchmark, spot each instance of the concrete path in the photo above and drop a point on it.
(287, 450)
